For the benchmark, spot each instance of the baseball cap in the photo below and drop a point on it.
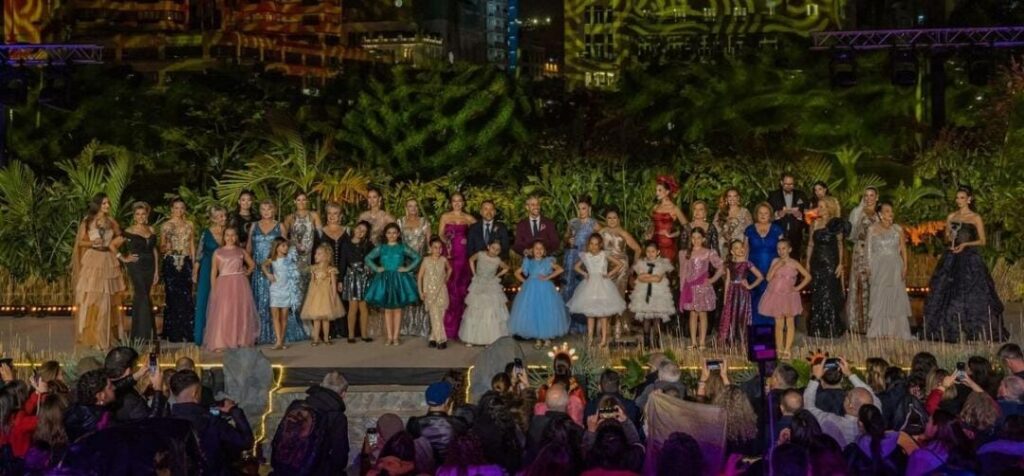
(438, 393)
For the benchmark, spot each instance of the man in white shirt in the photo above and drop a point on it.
(844, 429)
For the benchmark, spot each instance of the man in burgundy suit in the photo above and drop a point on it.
(535, 227)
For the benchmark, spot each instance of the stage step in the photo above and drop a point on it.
(363, 405)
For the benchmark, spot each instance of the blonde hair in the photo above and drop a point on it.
(980, 412)
(326, 249)
(759, 206)
(832, 205)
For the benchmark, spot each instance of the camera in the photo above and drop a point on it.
(372, 436)
(713, 364)
(607, 412)
(831, 364)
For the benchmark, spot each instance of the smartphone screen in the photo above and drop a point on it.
(153, 364)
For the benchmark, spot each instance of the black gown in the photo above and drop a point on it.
(826, 290)
(141, 274)
(243, 224)
(962, 304)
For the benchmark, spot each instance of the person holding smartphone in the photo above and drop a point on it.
(844, 429)
(223, 431)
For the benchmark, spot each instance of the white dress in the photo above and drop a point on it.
(486, 317)
(889, 307)
(597, 295)
(652, 300)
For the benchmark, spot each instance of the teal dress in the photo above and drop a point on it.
(207, 246)
(390, 288)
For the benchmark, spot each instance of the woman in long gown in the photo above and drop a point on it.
(97, 276)
(887, 265)
(244, 216)
(825, 252)
(731, 221)
(178, 246)
(963, 304)
(303, 227)
(140, 240)
(210, 240)
(454, 229)
(334, 234)
(665, 216)
(762, 239)
(699, 219)
(261, 239)
(576, 235)
(375, 214)
(233, 320)
(616, 241)
(857, 300)
(415, 235)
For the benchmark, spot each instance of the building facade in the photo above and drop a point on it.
(604, 36)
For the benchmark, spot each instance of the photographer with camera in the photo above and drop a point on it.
(844, 429)
(223, 431)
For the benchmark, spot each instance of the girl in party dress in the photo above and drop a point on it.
(322, 304)
(696, 291)
(233, 321)
(538, 312)
(781, 300)
(392, 287)
(651, 300)
(486, 317)
(737, 311)
(282, 271)
(432, 280)
(597, 297)
(357, 279)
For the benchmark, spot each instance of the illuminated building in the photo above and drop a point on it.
(541, 44)
(603, 36)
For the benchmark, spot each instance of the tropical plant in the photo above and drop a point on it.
(290, 166)
(40, 218)
(434, 122)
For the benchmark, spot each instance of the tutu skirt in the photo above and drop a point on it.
(538, 312)
(486, 316)
(392, 290)
(596, 296)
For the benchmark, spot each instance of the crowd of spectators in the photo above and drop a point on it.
(878, 420)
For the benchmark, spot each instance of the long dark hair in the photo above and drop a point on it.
(253, 207)
(93, 209)
(874, 427)
(970, 195)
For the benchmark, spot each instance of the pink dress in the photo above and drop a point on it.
(231, 313)
(781, 298)
(458, 282)
(695, 291)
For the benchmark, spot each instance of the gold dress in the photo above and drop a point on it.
(98, 281)
(615, 246)
(857, 297)
(435, 296)
(322, 301)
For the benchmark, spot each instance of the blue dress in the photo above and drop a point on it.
(538, 312)
(286, 290)
(390, 288)
(761, 251)
(207, 246)
(580, 231)
(261, 243)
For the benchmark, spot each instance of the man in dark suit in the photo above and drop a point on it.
(487, 229)
(535, 227)
(789, 205)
